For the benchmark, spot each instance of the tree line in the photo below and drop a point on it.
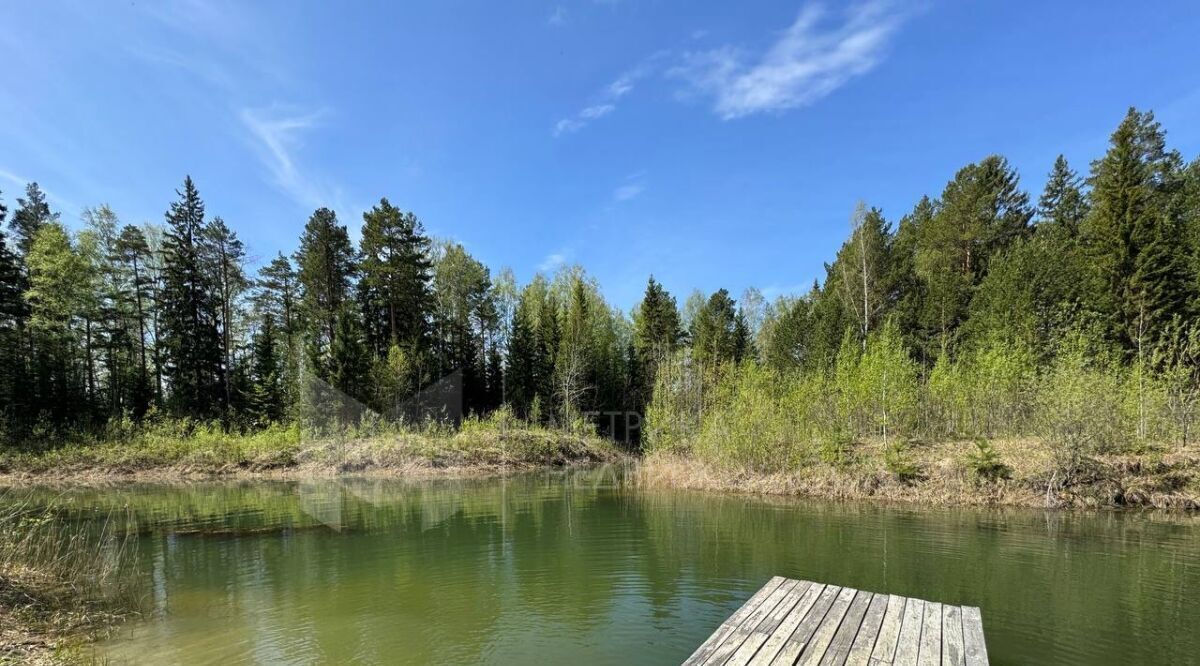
(982, 313)
(124, 321)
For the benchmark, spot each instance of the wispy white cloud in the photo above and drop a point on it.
(606, 100)
(15, 189)
(820, 52)
(634, 185)
(278, 136)
(627, 192)
(553, 261)
(558, 17)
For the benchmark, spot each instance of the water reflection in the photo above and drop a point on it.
(581, 568)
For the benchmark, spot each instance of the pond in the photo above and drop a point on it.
(584, 568)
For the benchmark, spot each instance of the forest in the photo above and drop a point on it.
(980, 313)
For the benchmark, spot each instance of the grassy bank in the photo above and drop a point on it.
(179, 449)
(949, 473)
(990, 427)
(62, 584)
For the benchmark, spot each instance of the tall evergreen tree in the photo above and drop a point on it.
(133, 255)
(395, 290)
(982, 211)
(1063, 205)
(224, 255)
(266, 375)
(12, 307)
(326, 266)
(32, 213)
(1139, 274)
(190, 316)
(716, 335)
(656, 335)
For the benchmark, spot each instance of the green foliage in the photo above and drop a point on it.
(190, 312)
(395, 292)
(718, 331)
(985, 464)
(962, 321)
(899, 463)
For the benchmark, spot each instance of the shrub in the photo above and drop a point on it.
(897, 461)
(985, 463)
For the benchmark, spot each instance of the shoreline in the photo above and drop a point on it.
(1158, 482)
(463, 454)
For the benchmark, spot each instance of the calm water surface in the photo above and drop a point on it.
(580, 568)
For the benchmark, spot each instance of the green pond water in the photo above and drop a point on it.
(582, 568)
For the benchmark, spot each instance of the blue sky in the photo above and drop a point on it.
(710, 143)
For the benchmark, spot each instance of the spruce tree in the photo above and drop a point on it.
(349, 362)
(191, 337)
(12, 307)
(32, 213)
(1063, 205)
(656, 335)
(1132, 242)
(267, 394)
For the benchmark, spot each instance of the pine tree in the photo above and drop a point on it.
(907, 292)
(786, 334)
(133, 255)
(982, 211)
(277, 295)
(325, 267)
(190, 316)
(224, 255)
(396, 269)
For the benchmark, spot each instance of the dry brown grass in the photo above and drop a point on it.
(62, 583)
(472, 451)
(944, 477)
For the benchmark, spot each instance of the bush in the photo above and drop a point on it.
(985, 463)
(897, 461)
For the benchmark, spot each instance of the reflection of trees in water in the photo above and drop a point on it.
(474, 569)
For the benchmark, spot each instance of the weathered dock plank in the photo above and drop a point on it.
(889, 631)
(702, 653)
(801, 622)
(974, 648)
(788, 626)
(868, 632)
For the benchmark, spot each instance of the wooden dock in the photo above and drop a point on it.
(801, 622)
